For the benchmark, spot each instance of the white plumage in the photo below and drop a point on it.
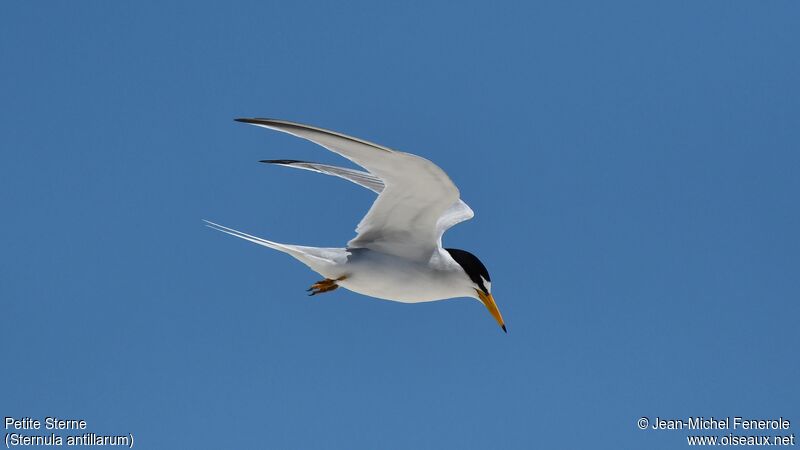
(397, 253)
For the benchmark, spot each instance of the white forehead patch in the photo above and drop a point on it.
(487, 283)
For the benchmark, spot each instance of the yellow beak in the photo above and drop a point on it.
(488, 301)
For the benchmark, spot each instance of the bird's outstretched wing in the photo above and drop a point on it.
(456, 213)
(358, 177)
(417, 201)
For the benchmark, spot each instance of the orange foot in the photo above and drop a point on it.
(326, 285)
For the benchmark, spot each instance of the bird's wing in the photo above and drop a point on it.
(407, 218)
(456, 213)
(358, 177)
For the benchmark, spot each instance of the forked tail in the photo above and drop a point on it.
(320, 260)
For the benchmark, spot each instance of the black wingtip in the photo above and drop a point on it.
(280, 161)
(504, 328)
(254, 120)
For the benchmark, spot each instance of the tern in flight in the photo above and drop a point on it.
(397, 253)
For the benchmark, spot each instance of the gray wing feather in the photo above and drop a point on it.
(358, 177)
(405, 218)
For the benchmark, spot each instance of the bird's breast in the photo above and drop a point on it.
(393, 278)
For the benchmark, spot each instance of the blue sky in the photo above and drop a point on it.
(632, 166)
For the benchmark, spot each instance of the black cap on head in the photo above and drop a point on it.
(472, 266)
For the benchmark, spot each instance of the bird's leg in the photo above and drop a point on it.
(323, 286)
(323, 289)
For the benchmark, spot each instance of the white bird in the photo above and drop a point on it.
(397, 253)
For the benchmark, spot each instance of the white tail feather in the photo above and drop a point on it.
(248, 237)
(318, 259)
